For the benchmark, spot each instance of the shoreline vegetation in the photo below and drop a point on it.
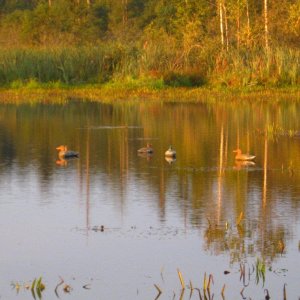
(49, 94)
(110, 73)
(149, 49)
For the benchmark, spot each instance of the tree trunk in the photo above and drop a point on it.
(248, 23)
(221, 23)
(238, 26)
(266, 25)
(226, 26)
(49, 3)
(125, 3)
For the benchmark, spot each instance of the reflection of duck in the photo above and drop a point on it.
(241, 156)
(61, 162)
(170, 152)
(148, 156)
(240, 164)
(147, 149)
(170, 160)
(65, 153)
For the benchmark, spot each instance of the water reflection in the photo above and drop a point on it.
(170, 160)
(205, 189)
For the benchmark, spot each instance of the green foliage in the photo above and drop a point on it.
(183, 80)
(71, 42)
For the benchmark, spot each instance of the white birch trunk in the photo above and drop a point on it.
(238, 26)
(248, 23)
(266, 25)
(226, 26)
(221, 23)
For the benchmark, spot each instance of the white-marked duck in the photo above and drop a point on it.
(170, 152)
(148, 149)
(241, 156)
(65, 153)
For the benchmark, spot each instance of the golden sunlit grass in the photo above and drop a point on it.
(112, 94)
(181, 279)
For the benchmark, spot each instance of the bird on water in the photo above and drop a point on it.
(64, 153)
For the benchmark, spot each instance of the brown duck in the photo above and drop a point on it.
(147, 149)
(241, 156)
(65, 153)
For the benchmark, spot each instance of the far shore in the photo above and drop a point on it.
(167, 94)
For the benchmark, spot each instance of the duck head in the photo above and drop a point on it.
(237, 151)
(61, 148)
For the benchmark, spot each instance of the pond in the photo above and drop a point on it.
(113, 224)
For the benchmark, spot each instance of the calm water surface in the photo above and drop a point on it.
(158, 216)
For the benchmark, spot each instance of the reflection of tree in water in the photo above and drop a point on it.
(264, 237)
(204, 176)
(7, 147)
(245, 240)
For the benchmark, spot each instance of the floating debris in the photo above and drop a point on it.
(67, 288)
(87, 286)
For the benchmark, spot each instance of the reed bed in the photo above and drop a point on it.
(132, 65)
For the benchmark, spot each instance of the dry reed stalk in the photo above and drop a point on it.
(239, 219)
(181, 279)
(223, 290)
(158, 289)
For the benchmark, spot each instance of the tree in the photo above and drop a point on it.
(266, 21)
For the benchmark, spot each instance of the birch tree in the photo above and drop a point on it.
(266, 25)
(221, 22)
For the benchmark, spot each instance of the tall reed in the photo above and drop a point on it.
(67, 65)
(103, 63)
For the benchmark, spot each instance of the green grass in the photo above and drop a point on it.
(129, 67)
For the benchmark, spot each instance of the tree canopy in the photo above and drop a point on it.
(192, 23)
(155, 36)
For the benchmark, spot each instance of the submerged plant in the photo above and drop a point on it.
(37, 287)
(260, 270)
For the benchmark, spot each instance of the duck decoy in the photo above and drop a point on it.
(170, 152)
(241, 156)
(148, 149)
(65, 153)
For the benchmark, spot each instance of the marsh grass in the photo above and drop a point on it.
(278, 68)
(131, 67)
(56, 92)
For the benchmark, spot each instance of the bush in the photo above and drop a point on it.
(184, 79)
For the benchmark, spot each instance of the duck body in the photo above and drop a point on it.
(65, 153)
(146, 150)
(170, 152)
(242, 156)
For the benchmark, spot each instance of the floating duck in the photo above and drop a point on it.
(241, 156)
(170, 152)
(65, 153)
(148, 149)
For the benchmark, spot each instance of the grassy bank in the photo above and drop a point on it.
(121, 66)
(112, 93)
